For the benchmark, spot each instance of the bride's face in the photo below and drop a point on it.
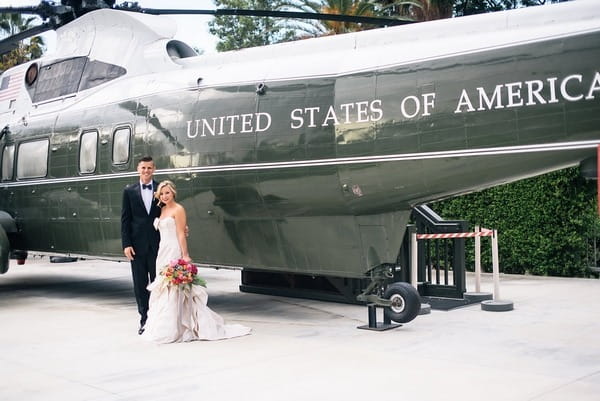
(166, 195)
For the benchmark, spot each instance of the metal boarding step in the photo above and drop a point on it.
(441, 271)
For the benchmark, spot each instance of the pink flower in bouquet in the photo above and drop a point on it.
(179, 272)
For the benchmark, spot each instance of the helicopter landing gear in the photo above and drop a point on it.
(400, 301)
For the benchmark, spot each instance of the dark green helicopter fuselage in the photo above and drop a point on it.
(314, 175)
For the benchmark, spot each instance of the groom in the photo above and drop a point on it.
(140, 239)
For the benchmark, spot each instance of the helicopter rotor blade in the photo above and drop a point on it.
(12, 42)
(55, 15)
(45, 10)
(59, 15)
(381, 21)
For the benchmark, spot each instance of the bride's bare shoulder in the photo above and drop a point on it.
(179, 209)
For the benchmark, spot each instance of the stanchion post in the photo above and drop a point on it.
(496, 304)
(495, 265)
(477, 295)
(477, 261)
(413, 258)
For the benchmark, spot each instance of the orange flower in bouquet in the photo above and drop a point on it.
(179, 272)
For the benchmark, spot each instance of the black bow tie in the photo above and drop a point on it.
(148, 186)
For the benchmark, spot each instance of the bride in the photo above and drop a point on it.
(179, 313)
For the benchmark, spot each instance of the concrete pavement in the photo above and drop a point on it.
(69, 332)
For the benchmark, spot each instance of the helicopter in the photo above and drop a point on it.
(303, 157)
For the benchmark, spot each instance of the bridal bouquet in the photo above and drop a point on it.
(179, 272)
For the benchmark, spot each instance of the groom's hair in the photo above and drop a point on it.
(145, 159)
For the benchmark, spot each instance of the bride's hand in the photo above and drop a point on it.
(186, 258)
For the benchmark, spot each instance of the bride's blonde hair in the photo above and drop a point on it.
(163, 184)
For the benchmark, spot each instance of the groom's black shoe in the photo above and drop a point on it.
(142, 325)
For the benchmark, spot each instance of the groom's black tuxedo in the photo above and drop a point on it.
(137, 231)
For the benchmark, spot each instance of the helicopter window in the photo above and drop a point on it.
(31, 75)
(121, 141)
(97, 72)
(88, 151)
(8, 158)
(32, 159)
(59, 79)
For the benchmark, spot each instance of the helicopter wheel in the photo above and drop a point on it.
(405, 300)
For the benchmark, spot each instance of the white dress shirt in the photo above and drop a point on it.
(147, 195)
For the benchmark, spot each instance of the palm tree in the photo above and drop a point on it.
(363, 8)
(29, 49)
(11, 24)
(359, 8)
(417, 10)
(421, 10)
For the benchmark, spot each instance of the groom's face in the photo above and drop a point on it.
(145, 170)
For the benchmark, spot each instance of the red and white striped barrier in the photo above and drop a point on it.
(483, 233)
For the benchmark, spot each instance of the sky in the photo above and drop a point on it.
(191, 29)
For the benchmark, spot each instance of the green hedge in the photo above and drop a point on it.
(545, 224)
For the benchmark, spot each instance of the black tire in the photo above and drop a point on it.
(406, 302)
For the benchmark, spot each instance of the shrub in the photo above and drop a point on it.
(545, 224)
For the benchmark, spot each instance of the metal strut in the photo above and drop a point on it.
(371, 295)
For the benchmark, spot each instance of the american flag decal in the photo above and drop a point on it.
(11, 85)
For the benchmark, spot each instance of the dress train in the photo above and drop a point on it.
(179, 313)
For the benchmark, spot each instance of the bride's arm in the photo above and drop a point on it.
(180, 224)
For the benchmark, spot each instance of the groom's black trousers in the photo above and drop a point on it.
(143, 270)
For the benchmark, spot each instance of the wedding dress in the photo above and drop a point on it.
(179, 313)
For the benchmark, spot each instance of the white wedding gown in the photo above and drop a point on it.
(180, 313)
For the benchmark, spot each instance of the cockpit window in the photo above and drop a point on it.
(69, 76)
(97, 72)
(59, 79)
